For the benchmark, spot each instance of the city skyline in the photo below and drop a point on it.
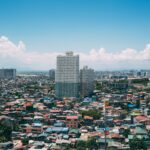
(112, 34)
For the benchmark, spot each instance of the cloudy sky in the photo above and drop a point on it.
(107, 34)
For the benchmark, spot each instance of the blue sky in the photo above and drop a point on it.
(79, 25)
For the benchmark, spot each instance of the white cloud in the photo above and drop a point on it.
(12, 55)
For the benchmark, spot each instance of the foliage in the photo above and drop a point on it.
(138, 103)
(143, 81)
(71, 105)
(148, 112)
(67, 147)
(90, 144)
(126, 133)
(137, 144)
(2, 139)
(81, 145)
(5, 133)
(124, 107)
(25, 141)
(50, 105)
(30, 108)
(96, 114)
(98, 86)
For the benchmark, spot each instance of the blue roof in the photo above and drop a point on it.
(37, 124)
(58, 124)
(57, 129)
(87, 99)
(65, 129)
(42, 134)
(48, 130)
(131, 105)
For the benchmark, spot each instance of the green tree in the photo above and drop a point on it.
(81, 145)
(30, 108)
(92, 144)
(137, 144)
(96, 114)
(67, 147)
(2, 139)
(5, 133)
(148, 112)
(25, 141)
(126, 133)
(138, 103)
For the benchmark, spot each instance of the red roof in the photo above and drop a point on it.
(46, 115)
(20, 147)
(55, 111)
(108, 107)
(115, 135)
(71, 117)
(26, 104)
(19, 108)
(117, 120)
(148, 127)
(142, 118)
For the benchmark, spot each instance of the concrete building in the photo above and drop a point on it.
(148, 74)
(67, 75)
(72, 121)
(86, 81)
(7, 73)
(52, 74)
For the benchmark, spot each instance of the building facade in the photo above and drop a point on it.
(72, 121)
(67, 75)
(7, 73)
(52, 74)
(87, 76)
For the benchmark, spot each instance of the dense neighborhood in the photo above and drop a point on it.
(115, 116)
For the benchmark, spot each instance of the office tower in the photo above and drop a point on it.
(7, 73)
(148, 74)
(139, 74)
(67, 75)
(52, 74)
(86, 79)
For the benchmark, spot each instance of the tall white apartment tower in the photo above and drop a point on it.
(67, 75)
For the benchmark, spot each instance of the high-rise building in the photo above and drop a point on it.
(67, 75)
(52, 74)
(7, 73)
(86, 81)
